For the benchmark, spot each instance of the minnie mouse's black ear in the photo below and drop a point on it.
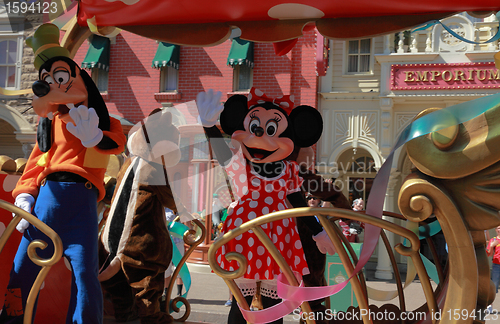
(235, 110)
(44, 134)
(307, 125)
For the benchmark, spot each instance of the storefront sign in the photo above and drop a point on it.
(483, 75)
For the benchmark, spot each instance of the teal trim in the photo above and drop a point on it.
(98, 53)
(241, 52)
(167, 55)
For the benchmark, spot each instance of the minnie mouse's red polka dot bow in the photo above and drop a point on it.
(256, 97)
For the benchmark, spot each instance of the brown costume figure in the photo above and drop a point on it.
(135, 247)
(326, 191)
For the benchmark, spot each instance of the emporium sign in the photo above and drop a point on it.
(482, 75)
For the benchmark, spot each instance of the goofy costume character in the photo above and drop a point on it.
(63, 179)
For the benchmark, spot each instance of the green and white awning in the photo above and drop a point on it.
(167, 55)
(241, 53)
(98, 53)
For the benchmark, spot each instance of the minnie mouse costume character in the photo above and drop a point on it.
(64, 178)
(268, 131)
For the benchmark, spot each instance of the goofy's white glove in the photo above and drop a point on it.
(86, 127)
(324, 243)
(24, 201)
(209, 107)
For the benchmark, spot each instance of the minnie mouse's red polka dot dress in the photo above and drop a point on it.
(260, 196)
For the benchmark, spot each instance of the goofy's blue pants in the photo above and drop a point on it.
(70, 209)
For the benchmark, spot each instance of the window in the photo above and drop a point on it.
(359, 56)
(242, 77)
(100, 78)
(9, 57)
(169, 78)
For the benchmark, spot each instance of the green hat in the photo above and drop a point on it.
(45, 44)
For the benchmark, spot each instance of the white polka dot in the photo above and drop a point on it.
(223, 249)
(251, 215)
(249, 97)
(268, 263)
(43, 285)
(268, 200)
(219, 258)
(282, 246)
(255, 195)
(267, 274)
(287, 238)
(222, 264)
(243, 178)
(240, 210)
(238, 222)
(305, 271)
(279, 230)
(235, 166)
(258, 264)
(255, 182)
(244, 190)
(258, 92)
(289, 254)
(282, 182)
(292, 98)
(292, 231)
(253, 204)
(281, 206)
(281, 195)
(257, 277)
(275, 238)
(298, 244)
(231, 268)
(269, 187)
(260, 101)
(2, 228)
(250, 241)
(284, 104)
(261, 250)
(264, 226)
(265, 211)
(67, 264)
(229, 222)
(249, 269)
(237, 238)
(286, 221)
(231, 173)
(239, 248)
(250, 256)
(297, 260)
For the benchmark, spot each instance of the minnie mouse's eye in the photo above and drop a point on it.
(254, 123)
(271, 128)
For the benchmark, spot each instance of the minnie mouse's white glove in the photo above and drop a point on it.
(209, 107)
(86, 127)
(24, 201)
(324, 243)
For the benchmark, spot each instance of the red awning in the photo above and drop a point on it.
(203, 23)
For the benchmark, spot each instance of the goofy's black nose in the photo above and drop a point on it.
(40, 88)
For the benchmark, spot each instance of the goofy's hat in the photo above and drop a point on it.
(45, 44)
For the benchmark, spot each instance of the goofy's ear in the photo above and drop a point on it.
(44, 134)
(307, 125)
(235, 110)
(96, 101)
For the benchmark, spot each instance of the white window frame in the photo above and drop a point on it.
(346, 58)
(236, 78)
(166, 73)
(96, 73)
(9, 30)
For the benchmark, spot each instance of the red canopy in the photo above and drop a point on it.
(204, 23)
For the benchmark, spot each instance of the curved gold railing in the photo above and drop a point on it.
(359, 288)
(193, 242)
(46, 264)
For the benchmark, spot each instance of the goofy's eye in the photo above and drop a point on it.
(61, 77)
(271, 128)
(48, 79)
(254, 123)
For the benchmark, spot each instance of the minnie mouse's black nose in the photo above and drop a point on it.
(258, 131)
(40, 88)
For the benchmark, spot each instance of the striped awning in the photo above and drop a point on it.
(98, 53)
(167, 55)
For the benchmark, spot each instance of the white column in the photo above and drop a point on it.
(196, 187)
(384, 268)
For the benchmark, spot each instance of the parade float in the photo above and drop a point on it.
(453, 149)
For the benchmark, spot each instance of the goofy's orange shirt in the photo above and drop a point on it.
(68, 154)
